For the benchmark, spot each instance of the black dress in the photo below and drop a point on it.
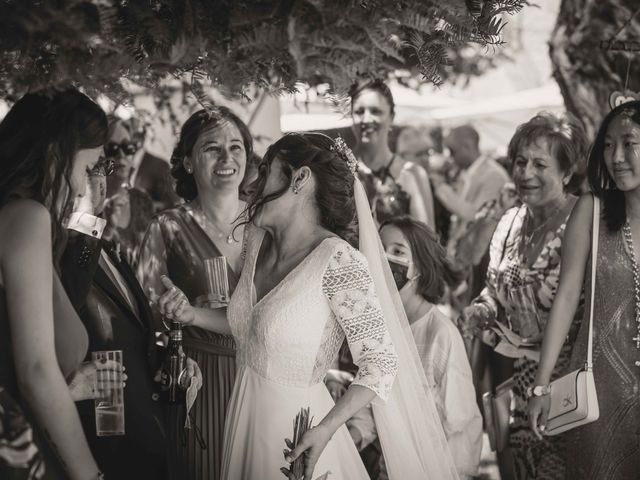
(386, 197)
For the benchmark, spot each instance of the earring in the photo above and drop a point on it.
(295, 190)
(189, 169)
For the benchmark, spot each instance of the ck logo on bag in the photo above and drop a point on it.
(567, 401)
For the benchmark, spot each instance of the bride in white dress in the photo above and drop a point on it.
(303, 290)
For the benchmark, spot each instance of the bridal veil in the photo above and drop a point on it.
(408, 425)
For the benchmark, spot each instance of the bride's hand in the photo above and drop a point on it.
(311, 445)
(173, 303)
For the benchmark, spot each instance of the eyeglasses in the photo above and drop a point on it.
(104, 166)
(111, 149)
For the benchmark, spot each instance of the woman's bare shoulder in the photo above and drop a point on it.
(24, 212)
(24, 220)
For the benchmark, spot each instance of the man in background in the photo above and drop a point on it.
(480, 180)
(137, 167)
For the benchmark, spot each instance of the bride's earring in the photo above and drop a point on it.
(295, 190)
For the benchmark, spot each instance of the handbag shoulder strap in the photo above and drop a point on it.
(595, 232)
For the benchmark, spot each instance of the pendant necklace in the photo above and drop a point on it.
(626, 230)
(219, 233)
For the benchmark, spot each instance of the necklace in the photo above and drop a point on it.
(527, 236)
(219, 233)
(550, 217)
(385, 172)
(626, 229)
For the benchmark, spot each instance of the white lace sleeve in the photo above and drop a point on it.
(348, 286)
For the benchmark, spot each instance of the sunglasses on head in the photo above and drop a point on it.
(111, 149)
(104, 166)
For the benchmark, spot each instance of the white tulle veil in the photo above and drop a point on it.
(408, 425)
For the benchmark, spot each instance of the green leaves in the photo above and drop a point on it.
(231, 45)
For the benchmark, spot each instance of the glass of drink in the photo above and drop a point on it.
(217, 283)
(523, 316)
(109, 407)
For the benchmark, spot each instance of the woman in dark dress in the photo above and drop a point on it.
(394, 187)
(48, 143)
(209, 164)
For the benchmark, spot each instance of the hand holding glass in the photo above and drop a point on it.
(217, 295)
(109, 404)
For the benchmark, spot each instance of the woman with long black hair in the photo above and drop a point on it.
(48, 145)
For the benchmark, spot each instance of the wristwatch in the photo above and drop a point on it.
(538, 391)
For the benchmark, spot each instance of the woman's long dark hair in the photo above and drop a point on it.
(39, 139)
(334, 180)
(435, 269)
(601, 183)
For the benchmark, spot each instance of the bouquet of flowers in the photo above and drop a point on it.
(301, 425)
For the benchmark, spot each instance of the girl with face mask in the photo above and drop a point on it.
(422, 272)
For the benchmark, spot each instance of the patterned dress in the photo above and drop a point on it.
(507, 272)
(610, 447)
(175, 245)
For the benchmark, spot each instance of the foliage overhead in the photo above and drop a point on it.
(236, 44)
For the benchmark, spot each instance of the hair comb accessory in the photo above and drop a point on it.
(345, 152)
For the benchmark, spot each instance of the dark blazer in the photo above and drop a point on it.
(113, 324)
(154, 177)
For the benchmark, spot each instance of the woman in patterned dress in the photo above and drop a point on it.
(394, 187)
(608, 448)
(524, 269)
(209, 164)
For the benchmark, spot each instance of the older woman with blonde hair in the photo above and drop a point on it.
(548, 154)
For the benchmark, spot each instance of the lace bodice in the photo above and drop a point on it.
(293, 334)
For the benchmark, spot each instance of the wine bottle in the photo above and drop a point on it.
(173, 373)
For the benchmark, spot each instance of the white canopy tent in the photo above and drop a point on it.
(495, 117)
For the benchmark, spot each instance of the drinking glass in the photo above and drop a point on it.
(523, 314)
(109, 408)
(217, 295)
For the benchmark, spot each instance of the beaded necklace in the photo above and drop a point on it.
(626, 229)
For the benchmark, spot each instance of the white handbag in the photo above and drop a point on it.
(574, 401)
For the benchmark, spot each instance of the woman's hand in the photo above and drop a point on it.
(95, 379)
(193, 370)
(311, 445)
(337, 382)
(473, 320)
(173, 303)
(538, 409)
(336, 388)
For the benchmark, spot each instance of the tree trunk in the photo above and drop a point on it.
(586, 70)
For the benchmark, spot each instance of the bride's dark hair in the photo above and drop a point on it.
(334, 180)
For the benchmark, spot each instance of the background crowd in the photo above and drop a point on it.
(90, 223)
